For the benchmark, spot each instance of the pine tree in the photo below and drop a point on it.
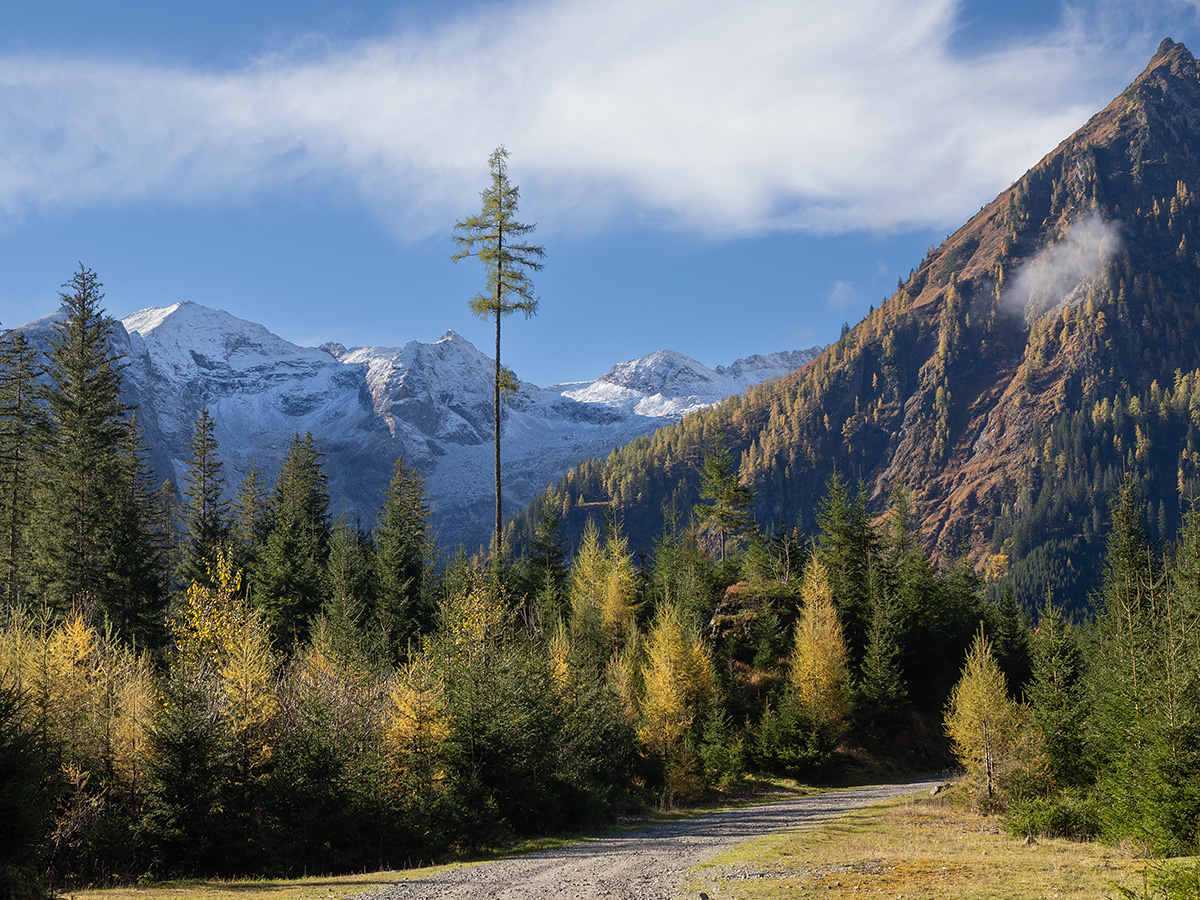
(495, 237)
(402, 545)
(289, 580)
(76, 531)
(206, 516)
(881, 691)
(23, 434)
(251, 518)
(546, 565)
(349, 571)
(846, 546)
(728, 513)
(1055, 693)
(134, 558)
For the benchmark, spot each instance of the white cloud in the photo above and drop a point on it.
(1061, 272)
(700, 115)
(844, 294)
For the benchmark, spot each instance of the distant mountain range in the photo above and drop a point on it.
(1045, 351)
(365, 406)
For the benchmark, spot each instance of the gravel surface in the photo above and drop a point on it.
(648, 864)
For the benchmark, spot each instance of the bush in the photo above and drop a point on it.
(1166, 883)
(1065, 814)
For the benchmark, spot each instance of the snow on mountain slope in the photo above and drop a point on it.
(669, 384)
(430, 403)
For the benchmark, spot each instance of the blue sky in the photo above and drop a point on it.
(714, 178)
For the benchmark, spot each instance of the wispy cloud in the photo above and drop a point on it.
(1061, 272)
(843, 295)
(702, 115)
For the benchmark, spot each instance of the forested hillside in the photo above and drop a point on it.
(1042, 351)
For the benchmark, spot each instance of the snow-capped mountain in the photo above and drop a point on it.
(669, 384)
(428, 403)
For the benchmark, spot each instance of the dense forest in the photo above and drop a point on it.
(216, 679)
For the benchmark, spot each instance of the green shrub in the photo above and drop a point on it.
(1166, 883)
(1065, 814)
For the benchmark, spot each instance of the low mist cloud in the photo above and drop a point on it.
(1060, 274)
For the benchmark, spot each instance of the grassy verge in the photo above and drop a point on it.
(919, 847)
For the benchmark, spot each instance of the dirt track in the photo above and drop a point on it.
(648, 864)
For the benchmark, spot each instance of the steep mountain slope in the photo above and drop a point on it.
(1038, 354)
(430, 403)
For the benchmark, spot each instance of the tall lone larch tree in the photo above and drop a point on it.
(497, 239)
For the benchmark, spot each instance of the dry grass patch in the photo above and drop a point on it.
(915, 848)
(332, 887)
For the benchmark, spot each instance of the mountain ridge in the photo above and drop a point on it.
(427, 402)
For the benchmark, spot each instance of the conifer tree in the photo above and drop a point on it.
(206, 516)
(251, 518)
(546, 565)
(137, 597)
(289, 580)
(496, 238)
(846, 546)
(23, 434)
(728, 513)
(819, 666)
(77, 532)
(984, 724)
(402, 545)
(1055, 693)
(603, 589)
(881, 691)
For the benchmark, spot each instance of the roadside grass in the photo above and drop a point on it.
(916, 847)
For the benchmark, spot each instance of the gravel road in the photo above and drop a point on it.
(648, 864)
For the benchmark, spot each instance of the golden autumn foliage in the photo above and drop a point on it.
(221, 638)
(416, 722)
(678, 682)
(211, 617)
(603, 585)
(988, 730)
(819, 666)
(473, 619)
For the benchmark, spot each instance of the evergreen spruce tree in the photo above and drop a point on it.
(23, 434)
(206, 515)
(846, 545)
(1055, 693)
(728, 512)
(251, 519)
(350, 569)
(166, 529)
(137, 597)
(881, 691)
(402, 545)
(546, 566)
(495, 237)
(84, 472)
(289, 579)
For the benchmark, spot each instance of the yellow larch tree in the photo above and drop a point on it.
(819, 670)
(679, 689)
